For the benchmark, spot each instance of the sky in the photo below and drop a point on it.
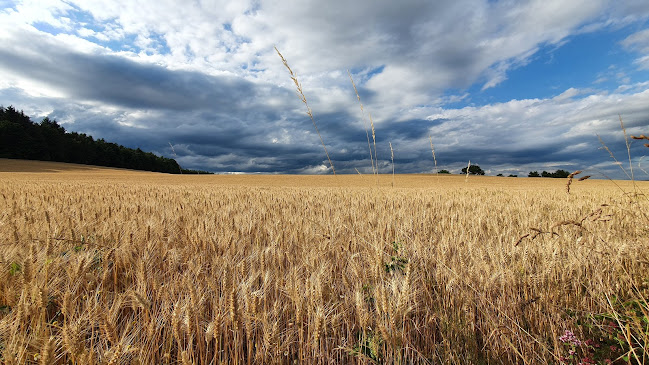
(512, 86)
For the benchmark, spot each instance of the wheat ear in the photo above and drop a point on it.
(642, 136)
(570, 180)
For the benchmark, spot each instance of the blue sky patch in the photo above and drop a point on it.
(586, 61)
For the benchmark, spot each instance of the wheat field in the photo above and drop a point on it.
(107, 266)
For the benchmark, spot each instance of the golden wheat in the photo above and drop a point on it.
(102, 266)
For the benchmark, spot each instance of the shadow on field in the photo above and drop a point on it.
(10, 165)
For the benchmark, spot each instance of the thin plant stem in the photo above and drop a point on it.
(375, 156)
(432, 148)
(604, 146)
(308, 109)
(367, 133)
(176, 156)
(392, 155)
(628, 150)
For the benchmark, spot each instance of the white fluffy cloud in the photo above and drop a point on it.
(425, 47)
(639, 42)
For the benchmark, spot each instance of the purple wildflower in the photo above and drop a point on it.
(569, 337)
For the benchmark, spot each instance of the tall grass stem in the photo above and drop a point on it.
(367, 133)
(308, 109)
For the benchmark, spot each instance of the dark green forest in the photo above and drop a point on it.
(20, 138)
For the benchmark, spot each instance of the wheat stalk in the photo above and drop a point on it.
(376, 159)
(233, 309)
(47, 352)
(308, 109)
(176, 156)
(392, 155)
(604, 146)
(432, 148)
(367, 133)
(628, 147)
(570, 180)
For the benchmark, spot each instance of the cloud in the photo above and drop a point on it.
(421, 48)
(205, 77)
(511, 137)
(115, 80)
(567, 94)
(560, 130)
(639, 42)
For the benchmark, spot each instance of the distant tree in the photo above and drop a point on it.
(534, 174)
(444, 172)
(561, 174)
(55, 139)
(19, 137)
(52, 124)
(499, 175)
(510, 175)
(473, 170)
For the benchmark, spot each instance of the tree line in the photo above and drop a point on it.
(476, 170)
(20, 138)
(559, 174)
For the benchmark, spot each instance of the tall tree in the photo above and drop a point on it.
(473, 170)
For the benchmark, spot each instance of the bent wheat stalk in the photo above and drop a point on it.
(570, 177)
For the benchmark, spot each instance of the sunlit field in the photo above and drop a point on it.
(106, 266)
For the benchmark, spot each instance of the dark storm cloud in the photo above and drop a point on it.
(205, 117)
(407, 130)
(119, 81)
